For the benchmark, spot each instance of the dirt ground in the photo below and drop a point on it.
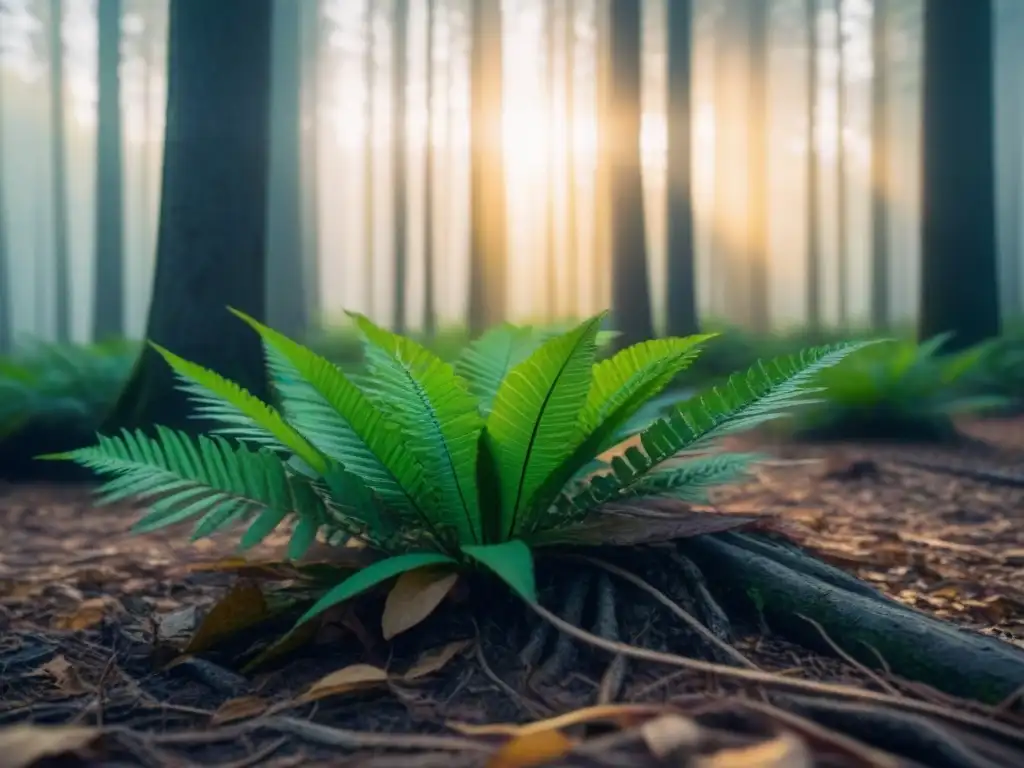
(87, 642)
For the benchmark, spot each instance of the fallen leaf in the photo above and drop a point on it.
(239, 709)
(241, 608)
(88, 614)
(295, 639)
(620, 714)
(535, 748)
(178, 626)
(63, 674)
(784, 751)
(435, 659)
(357, 677)
(25, 746)
(414, 597)
(669, 734)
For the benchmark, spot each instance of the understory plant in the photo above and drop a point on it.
(442, 466)
(900, 390)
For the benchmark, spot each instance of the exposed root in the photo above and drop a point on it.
(564, 653)
(607, 626)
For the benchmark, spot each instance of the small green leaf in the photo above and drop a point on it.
(512, 562)
(302, 537)
(371, 576)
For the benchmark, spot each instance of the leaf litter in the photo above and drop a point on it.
(91, 617)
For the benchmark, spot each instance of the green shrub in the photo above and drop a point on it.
(461, 466)
(899, 390)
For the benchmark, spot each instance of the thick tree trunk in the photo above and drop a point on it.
(286, 294)
(6, 289)
(399, 148)
(758, 131)
(682, 317)
(429, 175)
(311, 50)
(959, 262)
(842, 236)
(778, 583)
(212, 241)
(813, 287)
(551, 211)
(108, 306)
(369, 156)
(602, 171)
(59, 173)
(487, 261)
(572, 255)
(631, 295)
(880, 185)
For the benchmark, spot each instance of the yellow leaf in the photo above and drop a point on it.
(620, 714)
(435, 659)
(669, 734)
(357, 677)
(784, 751)
(414, 597)
(239, 709)
(241, 608)
(25, 746)
(536, 748)
(87, 614)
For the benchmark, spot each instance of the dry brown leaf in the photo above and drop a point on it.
(88, 614)
(529, 749)
(357, 677)
(63, 674)
(239, 709)
(784, 751)
(435, 659)
(241, 608)
(620, 714)
(25, 746)
(414, 597)
(668, 734)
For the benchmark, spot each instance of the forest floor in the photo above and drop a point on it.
(89, 616)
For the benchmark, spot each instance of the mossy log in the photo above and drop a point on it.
(776, 582)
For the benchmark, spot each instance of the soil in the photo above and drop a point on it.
(86, 643)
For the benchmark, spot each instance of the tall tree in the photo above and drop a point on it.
(758, 16)
(430, 165)
(880, 188)
(631, 295)
(369, 155)
(108, 290)
(1010, 154)
(551, 218)
(682, 317)
(813, 287)
(286, 198)
(842, 235)
(6, 277)
(212, 239)
(400, 150)
(958, 244)
(59, 171)
(602, 171)
(487, 260)
(572, 256)
(311, 37)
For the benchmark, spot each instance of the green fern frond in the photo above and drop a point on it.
(342, 422)
(536, 409)
(248, 417)
(746, 401)
(485, 362)
(691, 479)
(439, 417)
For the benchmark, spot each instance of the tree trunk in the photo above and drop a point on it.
(108, 290)
(757, 162)
(880, 185)
(842, 237)
(430, 162)
(551, 217)
(59, 173)
(602, 171)
(572, 255)
(311, 47)
(488, 246)
(959, 262)
(369, 155)
(631, 296)
(286, 281)
(682, 317)
(6, 289)
(813, 171)
(212, 241)
(400, 150)
(1010, 153)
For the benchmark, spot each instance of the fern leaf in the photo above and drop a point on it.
(690, 480)
(347, 426)
(485, 362)
(440, 418)
(746, 401)
(536, 409)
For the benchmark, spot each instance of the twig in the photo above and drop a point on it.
(767, 678)
(535, 709)
(691, 621)
(886, 686)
